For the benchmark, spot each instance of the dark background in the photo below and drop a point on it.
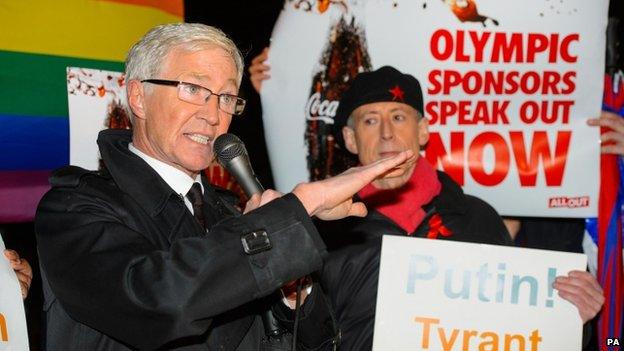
(249, 23)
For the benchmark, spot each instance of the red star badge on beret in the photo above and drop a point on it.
(397, 93)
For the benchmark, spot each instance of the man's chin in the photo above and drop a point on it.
(196, 166)
(394, 173)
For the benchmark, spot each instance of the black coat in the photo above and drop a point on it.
(127, 266)
(351, 273)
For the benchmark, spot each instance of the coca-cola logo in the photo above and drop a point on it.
(323, 110)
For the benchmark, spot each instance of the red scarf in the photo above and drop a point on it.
(404, 205)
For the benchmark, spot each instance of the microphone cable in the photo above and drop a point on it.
(297, 310)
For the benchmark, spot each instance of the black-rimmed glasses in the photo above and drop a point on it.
(198, 95)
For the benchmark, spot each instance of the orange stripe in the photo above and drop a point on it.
(174, 7)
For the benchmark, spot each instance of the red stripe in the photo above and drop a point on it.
(174, 7)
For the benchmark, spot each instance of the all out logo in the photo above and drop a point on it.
(568, 201)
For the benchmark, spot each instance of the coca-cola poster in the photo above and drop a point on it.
(508, 88)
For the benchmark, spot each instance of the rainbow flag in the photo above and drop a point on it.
(39, 40)
(606, 229)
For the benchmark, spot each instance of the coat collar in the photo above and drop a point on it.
(451, 199)
(131, 174)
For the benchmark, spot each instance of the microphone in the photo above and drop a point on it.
(232, 155)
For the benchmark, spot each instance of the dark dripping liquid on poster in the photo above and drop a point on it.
(344, 56)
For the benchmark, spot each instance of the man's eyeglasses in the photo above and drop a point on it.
(198, 95)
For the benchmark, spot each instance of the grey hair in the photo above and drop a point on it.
(350, 122)
(145, 58)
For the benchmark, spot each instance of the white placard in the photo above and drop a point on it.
(94, 96)
(522, 78)
(13, 332)
(439, 295)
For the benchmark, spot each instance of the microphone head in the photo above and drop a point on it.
(227, 147)
(232, 155)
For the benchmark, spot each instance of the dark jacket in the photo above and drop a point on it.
(558, 234)
(127, 266)
(351, 273)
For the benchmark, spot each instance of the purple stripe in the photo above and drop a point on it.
(20, 192)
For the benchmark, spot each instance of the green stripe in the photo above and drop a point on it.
(36, 85)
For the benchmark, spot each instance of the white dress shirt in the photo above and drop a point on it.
(179, 181)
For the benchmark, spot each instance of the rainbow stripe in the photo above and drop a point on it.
(606, 230)
(46, 38)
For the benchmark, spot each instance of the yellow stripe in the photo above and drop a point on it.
(80, 28)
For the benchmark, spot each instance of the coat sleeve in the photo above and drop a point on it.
(114, 279)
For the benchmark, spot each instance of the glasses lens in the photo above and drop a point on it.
(192, 93)
(240, 106)
(231, 104)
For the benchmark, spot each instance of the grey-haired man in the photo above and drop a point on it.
(145, 254)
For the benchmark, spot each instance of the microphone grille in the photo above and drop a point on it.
(228, 146)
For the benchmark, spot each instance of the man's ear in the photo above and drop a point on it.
(348, 134)
(423, 131)
(136, 98)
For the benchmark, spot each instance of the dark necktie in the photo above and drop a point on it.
(197, 200)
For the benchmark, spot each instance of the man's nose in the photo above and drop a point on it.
(386, 130)
(210, 111)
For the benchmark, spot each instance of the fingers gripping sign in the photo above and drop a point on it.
(583, 291)
(22, 270)
(612, 139)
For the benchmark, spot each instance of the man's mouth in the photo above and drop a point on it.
(386, 154)
(199, 138)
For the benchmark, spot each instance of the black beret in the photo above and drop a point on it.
(383, 84)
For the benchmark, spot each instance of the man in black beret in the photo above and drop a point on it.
(380, 115)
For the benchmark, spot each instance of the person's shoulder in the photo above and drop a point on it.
(472, 205)
(484, 223)
(71, 182)
(70, 176)
(73, 177)
(476, 205)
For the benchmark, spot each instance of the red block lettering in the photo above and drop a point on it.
(451, 162)
(554, 165)
(435, 86)
(501, 159)
(441, 36)
(507, 49)
(565, 48)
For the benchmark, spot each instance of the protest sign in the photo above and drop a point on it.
(508, 86)
(442, 296)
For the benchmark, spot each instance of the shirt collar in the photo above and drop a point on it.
(179, 181)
